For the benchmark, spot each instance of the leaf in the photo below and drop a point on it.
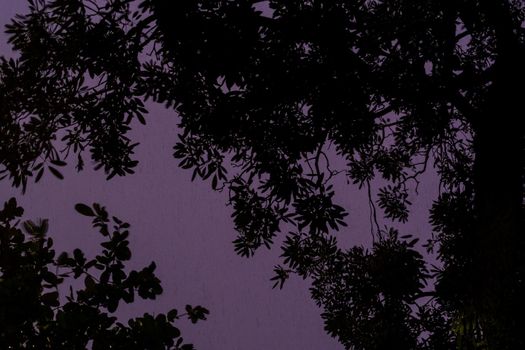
(123, 253)
(58, 162)
(84, 209)
(50, 299)
(112, 305)
(194, 174)
(56, 173)
(39, 175)
(172, 315)
(413, 242)
(89, 283)
(29, 226)
(50, 278)
(140, 118)
(63, 259)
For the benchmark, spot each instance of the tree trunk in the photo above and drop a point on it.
(498, 184)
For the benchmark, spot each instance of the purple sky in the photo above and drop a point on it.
(186, 228)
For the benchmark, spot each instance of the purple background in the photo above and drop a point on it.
(186, 228)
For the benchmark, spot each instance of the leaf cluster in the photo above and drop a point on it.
(68, 301)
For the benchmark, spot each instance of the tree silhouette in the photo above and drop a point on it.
(38, 313)
(269, 93)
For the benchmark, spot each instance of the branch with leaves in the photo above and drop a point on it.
(36, 313)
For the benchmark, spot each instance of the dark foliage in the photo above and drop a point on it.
(278, 90)
(42, 307)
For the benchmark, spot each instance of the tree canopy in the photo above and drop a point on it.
(269, 93)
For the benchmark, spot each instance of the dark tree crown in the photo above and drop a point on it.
(269, 94)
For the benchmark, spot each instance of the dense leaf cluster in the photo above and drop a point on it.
(369, 297)
(69, 89)
(43, 307)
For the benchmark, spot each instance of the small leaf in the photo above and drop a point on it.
(29, 226)
(50, 299)
(90, 283)
(55, 172)
(84, 209)
(50, 278)
(140, 118)
(172, 315)
(39, 175)
(58, 162)
(63, 258)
